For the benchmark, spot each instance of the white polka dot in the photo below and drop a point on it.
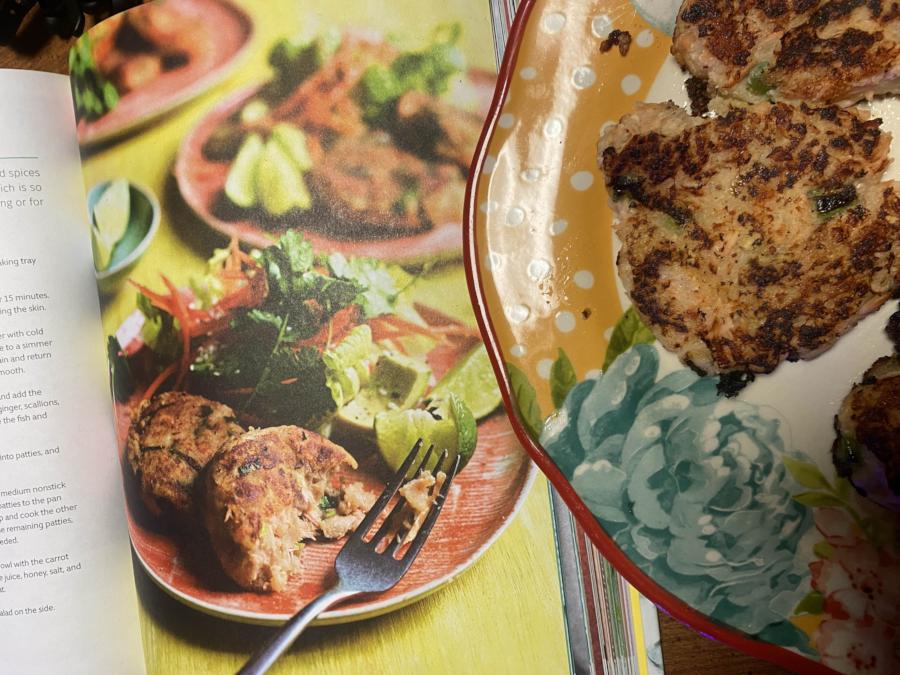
(592, 374)
(527, 73)
(553, 23)
(583, 279)
(506, 120)
(607, 126)
(583, 77)
(489, 206)
(517, 313)
(538, 269)
(515, 217)
(708, 529)
(543, 368)
(607, 334)
(644, 38)
(559, 227)
(704, 519)
(553, 128)
(492, 262)
(565, 321)
(601, 25)
(713, 556)
(517, 350)
(630, 84)
(582, 180)
(489, 163)
(531, 175)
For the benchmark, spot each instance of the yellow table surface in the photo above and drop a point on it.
(504, 614)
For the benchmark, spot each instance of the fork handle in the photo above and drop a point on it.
(284, 638)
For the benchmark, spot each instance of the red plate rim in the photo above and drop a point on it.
(89, 138)
(665, 600)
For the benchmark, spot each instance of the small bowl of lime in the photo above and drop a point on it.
(124, 219)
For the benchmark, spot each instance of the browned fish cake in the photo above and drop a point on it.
(757, 236)
(814, 51)
(867, 447)
(172, 437)
(264, 493)
(375, 190)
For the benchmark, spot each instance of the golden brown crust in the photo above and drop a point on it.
(724, 253)
(820, 52)
(729, 38)
(258, 488)
(171, 438)
(870, 414)
(842, 45)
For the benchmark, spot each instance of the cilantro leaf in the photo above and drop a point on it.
(378, 290)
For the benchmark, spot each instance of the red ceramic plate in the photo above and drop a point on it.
(775, 561)
(201, 183)
(227, 44)
(483, 500)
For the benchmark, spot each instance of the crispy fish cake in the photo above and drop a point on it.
(263, 495)
(818, 52)
(758, 236)
(172, 437)
(867, 447)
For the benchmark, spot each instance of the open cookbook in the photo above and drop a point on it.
(231, 282)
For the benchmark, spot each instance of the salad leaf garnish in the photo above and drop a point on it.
(428, 71)
(119, 371)
(628, 331)
(526, 401)
(562, 379)
(160, 330)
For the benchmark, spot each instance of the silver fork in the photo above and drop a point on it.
(360, 567)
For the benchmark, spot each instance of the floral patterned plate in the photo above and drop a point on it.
(725, 512)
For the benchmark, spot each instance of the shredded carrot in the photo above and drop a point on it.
(242, 288)
(162, 377)
(180, 312)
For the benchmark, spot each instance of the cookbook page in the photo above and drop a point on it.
(67, 600)
(280, 264)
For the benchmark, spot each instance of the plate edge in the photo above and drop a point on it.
(666, 601)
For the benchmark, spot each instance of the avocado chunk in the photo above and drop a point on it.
(397, 383)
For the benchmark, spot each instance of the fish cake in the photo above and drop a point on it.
(820, 53)
(172, 437)
(266, 491)
(761, 235)
(867, 447)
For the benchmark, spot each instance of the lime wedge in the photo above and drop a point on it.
(240, 186)
(472, 379)
(293, 141)
(111, 214)
(448, 423)
(279, 183)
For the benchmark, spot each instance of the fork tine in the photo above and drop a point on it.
(394, 514)
(433, 514)
(440, 463)
(391, 548)
(389, 490)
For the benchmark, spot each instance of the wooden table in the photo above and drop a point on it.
(685, 652)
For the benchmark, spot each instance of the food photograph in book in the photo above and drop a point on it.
(280, 267)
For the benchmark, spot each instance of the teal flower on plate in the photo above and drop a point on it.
(691, 486)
